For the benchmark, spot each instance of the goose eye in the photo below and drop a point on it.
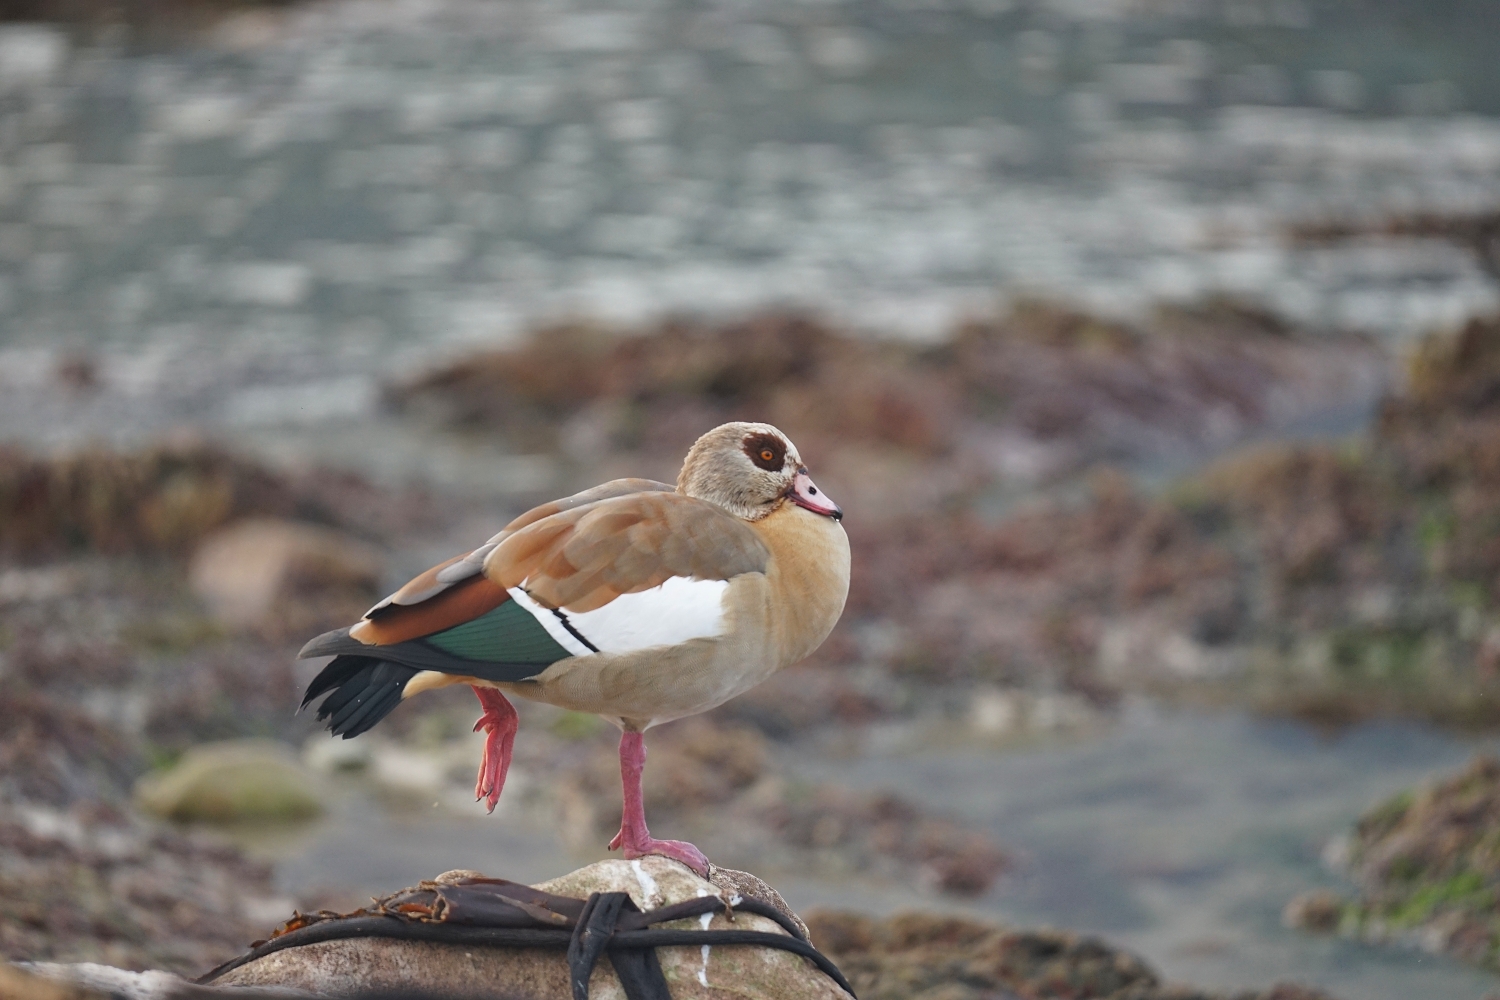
(767, 455)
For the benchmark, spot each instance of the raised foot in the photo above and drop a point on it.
(677, 850)
(499, 722)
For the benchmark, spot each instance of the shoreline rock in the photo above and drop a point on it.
(694, 973)
(1426, 864)
(232, 780)
(920, 956)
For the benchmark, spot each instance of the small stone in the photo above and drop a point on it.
(231, 781)
(1318, 910)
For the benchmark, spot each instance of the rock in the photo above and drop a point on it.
(162, 500)
(1425, 867)
(264, 573)
(1318, 911)
(84, 981)
(922, 956)
(34, 983)
(91, 981)
(232, 780)
(694, 973)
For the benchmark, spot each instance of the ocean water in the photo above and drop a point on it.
(252, 226)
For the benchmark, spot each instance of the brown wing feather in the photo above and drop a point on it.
(416, 590)
(454, 605)
(434, 600)
(606, 491)
(583, 558)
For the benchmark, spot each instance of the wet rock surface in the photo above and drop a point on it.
(102, 679)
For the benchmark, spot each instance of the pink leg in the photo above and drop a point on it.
(633, 836)
(499, 722)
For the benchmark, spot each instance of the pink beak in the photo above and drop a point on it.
(805, 494)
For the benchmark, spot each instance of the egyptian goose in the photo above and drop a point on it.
(633, 600)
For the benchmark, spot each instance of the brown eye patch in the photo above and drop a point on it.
(766, 450)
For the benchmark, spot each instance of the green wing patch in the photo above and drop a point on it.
(507, 634)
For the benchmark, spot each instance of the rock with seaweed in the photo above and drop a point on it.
(1328, 580)
(165, 499)
(1477, 232)
(1040, 387)
(920, 956)
(1426, 864)
(1381, 562)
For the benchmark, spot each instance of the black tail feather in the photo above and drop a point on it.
(333, 675)
(381, 694)
(364, 691)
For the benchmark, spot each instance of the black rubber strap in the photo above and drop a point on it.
(401, 930)
(638, 969)
(614, 927)
(712, 904)
(763, 939)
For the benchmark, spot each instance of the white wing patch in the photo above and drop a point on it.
(678, 610)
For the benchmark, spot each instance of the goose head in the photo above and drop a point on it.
(751, 470)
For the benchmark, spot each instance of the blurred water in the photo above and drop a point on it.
(302, 201)
(1178, 834)
(1182, 835)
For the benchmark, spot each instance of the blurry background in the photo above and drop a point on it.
(1148, 345)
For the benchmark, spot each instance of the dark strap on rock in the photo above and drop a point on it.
(638, 968)
(499, 914)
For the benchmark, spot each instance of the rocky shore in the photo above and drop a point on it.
(1027, 559)
(909, 956)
